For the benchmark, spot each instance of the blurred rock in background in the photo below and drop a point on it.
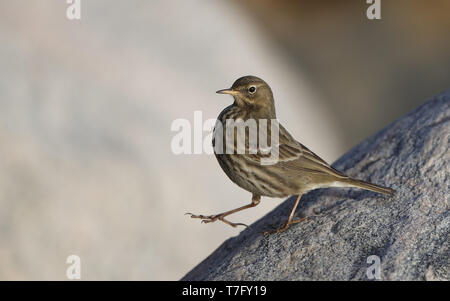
(86, 109)
(368, 72)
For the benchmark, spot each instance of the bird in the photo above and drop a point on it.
(296, 169)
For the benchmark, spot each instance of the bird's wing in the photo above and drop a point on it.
(305, 159)
(295, 156)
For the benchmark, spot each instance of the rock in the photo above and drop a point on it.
(408, 232)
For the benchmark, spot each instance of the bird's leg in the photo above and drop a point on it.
(290, 220)
(221, 216)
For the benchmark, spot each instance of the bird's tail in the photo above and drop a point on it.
(370, 186)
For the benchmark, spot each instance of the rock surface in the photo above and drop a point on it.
(409, 232)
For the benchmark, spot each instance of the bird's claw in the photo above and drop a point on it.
(285, 226)
(204, 218)
(212, 218)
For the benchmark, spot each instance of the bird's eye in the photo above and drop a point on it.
(252, 89)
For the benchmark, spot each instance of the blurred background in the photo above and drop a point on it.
(86, 108)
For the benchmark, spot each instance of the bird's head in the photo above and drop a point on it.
(252, 93)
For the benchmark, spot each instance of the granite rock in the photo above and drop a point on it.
(408, 233)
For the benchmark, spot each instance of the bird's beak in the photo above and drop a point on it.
(227, 91)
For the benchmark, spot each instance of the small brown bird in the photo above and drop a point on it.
(297, 170)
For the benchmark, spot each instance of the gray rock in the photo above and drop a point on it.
(408, 232)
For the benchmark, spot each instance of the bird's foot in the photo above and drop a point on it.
(212, 218)
(285, 226)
